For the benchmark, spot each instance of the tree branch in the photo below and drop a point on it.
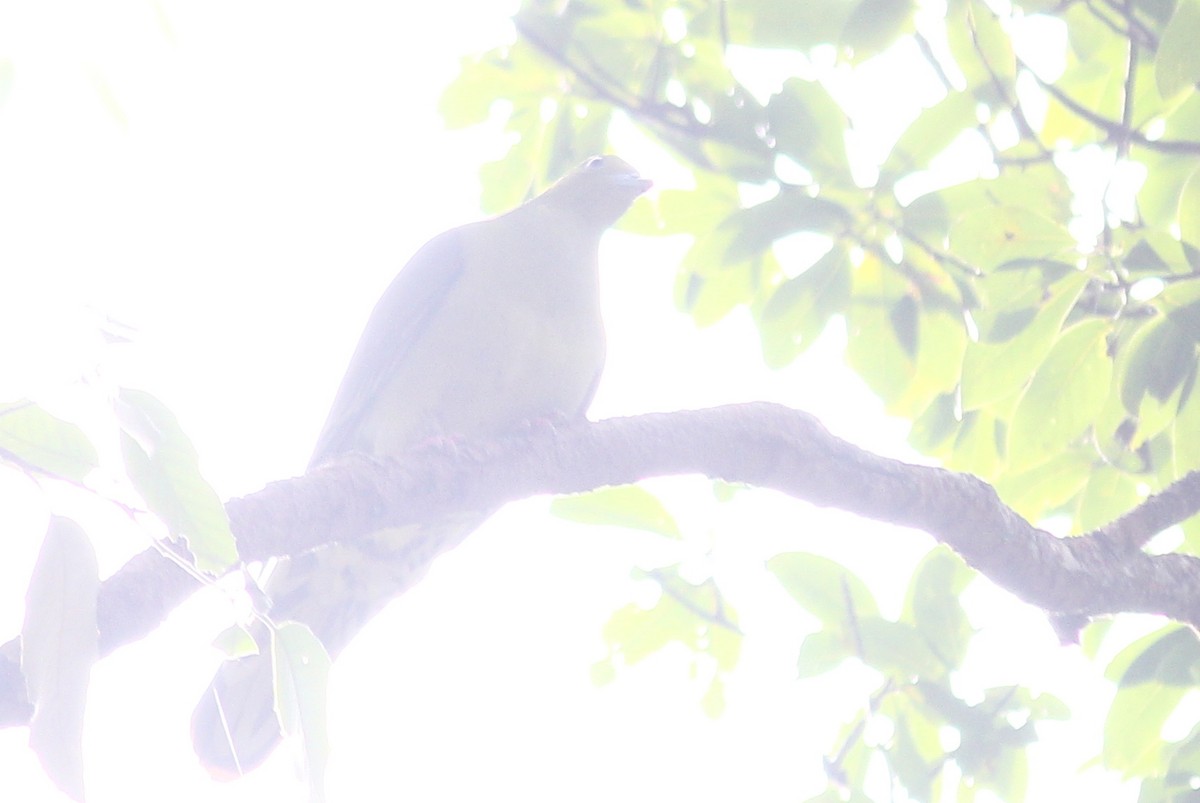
(1116, 131)
(762, 444)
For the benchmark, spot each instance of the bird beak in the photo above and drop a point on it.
(635, 182)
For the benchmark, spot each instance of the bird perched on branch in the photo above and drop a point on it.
(489, 326)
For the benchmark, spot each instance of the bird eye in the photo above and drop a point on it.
(594, 163)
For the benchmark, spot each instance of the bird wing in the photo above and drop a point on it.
(396, 325)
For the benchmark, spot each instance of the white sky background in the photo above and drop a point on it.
(256, 176)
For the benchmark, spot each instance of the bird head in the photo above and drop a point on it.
(599, 191)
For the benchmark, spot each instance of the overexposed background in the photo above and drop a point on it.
(228, 186)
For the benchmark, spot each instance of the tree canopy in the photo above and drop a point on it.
(1000, 204)
(1012, 243)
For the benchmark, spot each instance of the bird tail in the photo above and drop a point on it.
(335, 591)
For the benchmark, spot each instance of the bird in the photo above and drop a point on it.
(489, 327)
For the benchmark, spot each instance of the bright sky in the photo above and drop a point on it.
(233, 184)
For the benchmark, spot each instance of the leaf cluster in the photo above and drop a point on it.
(1014, 254)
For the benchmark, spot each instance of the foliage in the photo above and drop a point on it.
(1011, 241)
(1013, 248)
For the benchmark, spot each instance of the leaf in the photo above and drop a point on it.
(809, 126)
(1132, 741)
(932, 605)
(988, 238)
(32, 437)
(977, 445)
(1170, 655)
(797, 312)
(934, 427)
(1066, 394)
(874, 25)
(692, 614)
(1039, 489)
(914, 761)
(1155, 366)
(875, 349)
(992, 46)
(992, 372)
(896, 649)
(786, 24)
(756, 228)
(1011, 296)
(1108, 493)
(1177, 62)
(940, 340)
(165, 470)
(58, 647)
(927, 136)
(236, 642)
(708, 288)
(1189, 206)
(469, 98)
(1159, 198)
(824, 588)
(823, 652)
(621, 506)
(301, 681)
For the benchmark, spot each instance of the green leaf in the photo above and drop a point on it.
(981, 47)
(989, 238)
(940, 340)
(823, 652)
(236, 642)
(469, 98)
(32, 437)
(992, 45)
(1155, 365)
(620, 506)
(1177, 62)
(809, 126)
(1189, 204)
(1160, 196)
(708, 287)
(977, 445)
(1010, 297)
(58, 647)
(1170, 655)
(1066, 394)
(874, 25)
(932, 605)
(1132, 741)
(692, 614)
(1042, 190)
(896, 649)
(301, 682)
(927, 136)
(164, 468)
(697, 211)
(992, 372)
(824, 588)
(756, 228)
(1108, 494)
(797, 312)
(932, 430)
(786, 24)
(913, 759)
(1040, 489)
(875, 348)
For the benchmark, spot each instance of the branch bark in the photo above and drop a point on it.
(762, 444)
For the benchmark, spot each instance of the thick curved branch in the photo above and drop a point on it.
(761, 444)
